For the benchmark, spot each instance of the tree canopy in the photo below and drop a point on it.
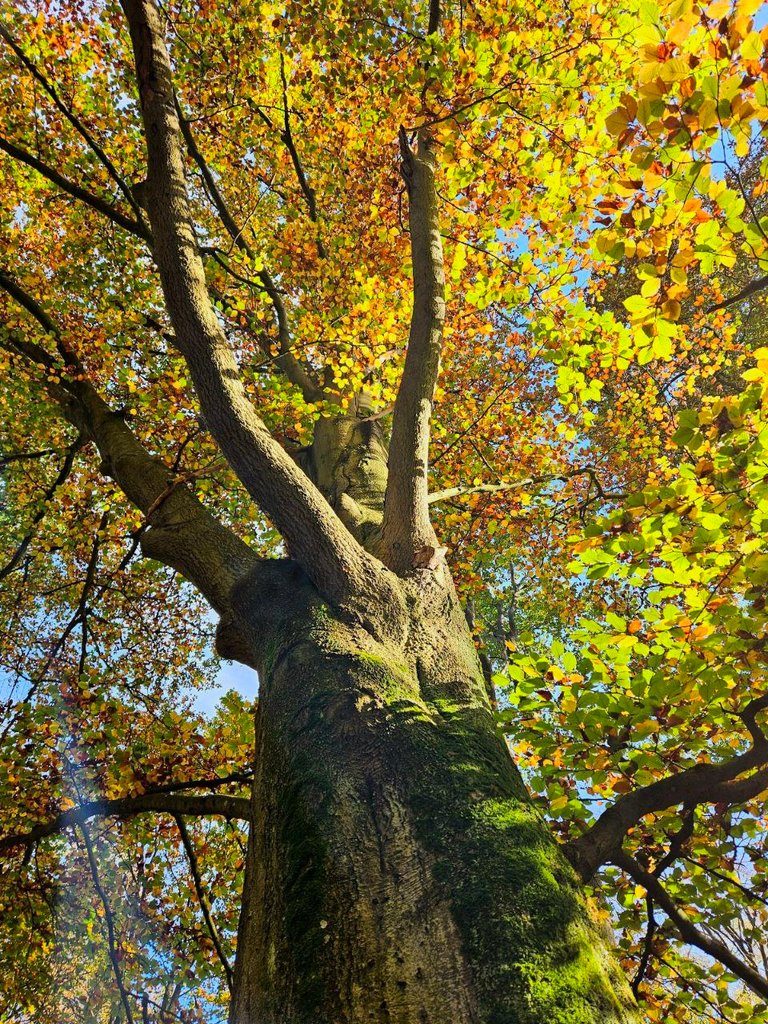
(598, 465)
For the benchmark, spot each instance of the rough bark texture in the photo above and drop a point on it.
(348, 463)
(397, 871)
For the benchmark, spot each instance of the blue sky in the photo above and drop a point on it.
(231, 676)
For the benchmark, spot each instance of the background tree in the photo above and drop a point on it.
(289, 293)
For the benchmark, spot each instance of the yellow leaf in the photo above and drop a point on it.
(650, 287)
(752, 47)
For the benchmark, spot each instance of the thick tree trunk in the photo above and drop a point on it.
(397, 871)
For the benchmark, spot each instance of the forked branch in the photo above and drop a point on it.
(81, 129)
(317, 539)
(72, 189)
(287, 361)
(733, 782)
(109, 921)
(63, 475)
(687, 929)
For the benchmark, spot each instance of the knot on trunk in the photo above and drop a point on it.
(269, 603)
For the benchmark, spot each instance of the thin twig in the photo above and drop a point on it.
(109, 920)
(202, 898)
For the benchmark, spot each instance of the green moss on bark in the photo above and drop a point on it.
(535, 955)
(352, 745)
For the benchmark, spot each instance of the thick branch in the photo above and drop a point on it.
(181, 532)
(688, 930)
(435, 14)
(244, 777)
(125, 807)
(335, 562)
(645, 959)
(711, 783)
(6, 458)
(407, 525)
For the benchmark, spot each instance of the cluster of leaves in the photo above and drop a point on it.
(598, 464)
(669, 648)
(659, 682)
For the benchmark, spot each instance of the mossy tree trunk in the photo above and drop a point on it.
(397, 870)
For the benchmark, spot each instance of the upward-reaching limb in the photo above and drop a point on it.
(407, 525)
(335, 562)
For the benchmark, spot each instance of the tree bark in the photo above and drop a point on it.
(397, 871)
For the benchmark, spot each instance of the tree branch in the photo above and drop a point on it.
(341, 569)
(709, 870)
(76, 191)
(288, 363)
(125, 807)
(516, 485)
(688, 930)
(180, 531)
(754, 286)
(7, 458)
(202, 899)
(286, 360)
(711, 783)
(435, 15)
(645, 959)
(243, 777)
(75, 121)
(109, 920)
(287, 137)
(407, 526)
(39, 515)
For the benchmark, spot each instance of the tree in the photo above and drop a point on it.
(226, 308)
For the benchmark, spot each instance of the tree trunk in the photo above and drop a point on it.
(397, 871)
